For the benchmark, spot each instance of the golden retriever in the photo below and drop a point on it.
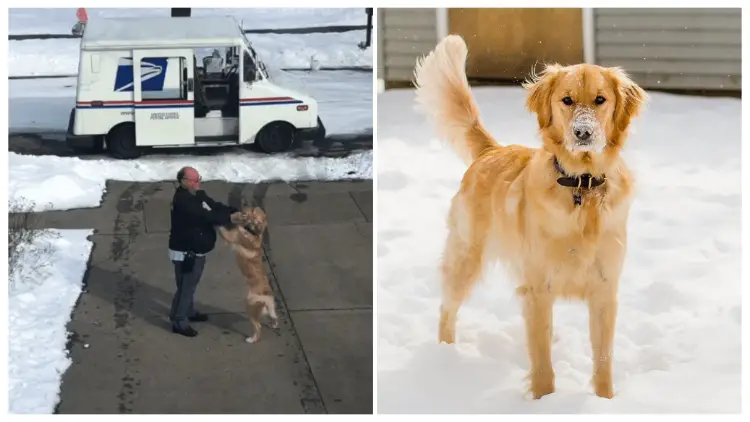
(556, 216)
(247, 241)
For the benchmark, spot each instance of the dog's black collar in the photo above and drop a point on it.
(251, 229)
(583, 181)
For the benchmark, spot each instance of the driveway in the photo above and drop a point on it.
(319, 257)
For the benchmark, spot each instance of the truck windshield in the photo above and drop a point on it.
(254, 56)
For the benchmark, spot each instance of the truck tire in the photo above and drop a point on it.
(276, 138)
(121, 142)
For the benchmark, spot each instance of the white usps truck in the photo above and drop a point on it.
(139, 87)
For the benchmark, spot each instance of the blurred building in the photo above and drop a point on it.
(670, 49)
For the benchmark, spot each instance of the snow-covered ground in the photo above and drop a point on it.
(38, 312)
(279, 51)
(61, 20)
(70, 182)
(678, 335)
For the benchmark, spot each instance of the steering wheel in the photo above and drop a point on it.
(231, 71)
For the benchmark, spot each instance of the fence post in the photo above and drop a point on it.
(368, 41)
(180, 12)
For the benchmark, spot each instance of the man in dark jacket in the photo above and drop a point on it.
(194, 218)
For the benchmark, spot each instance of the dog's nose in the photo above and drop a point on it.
(583, 134)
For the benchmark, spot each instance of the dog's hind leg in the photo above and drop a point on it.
(271, 310)
(462, 265)
(255, 307)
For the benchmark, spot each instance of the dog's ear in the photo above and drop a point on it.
(629, 98)
(540, 87)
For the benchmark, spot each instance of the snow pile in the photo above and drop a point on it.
(678, 336)
(307, 51)
(70, 182)
(38, 312)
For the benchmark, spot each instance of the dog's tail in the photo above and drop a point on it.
(444, 94)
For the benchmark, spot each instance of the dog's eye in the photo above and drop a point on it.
(599, 100)
(568, 101)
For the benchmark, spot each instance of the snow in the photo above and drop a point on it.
(39, 311)
(279, 51)
(61, 20)
(70, 182)
(677, 342)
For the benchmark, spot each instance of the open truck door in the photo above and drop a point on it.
(163, 97)
(247, 75)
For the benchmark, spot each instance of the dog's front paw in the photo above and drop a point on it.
(542, 390)
(542, 383)
(602, 383)
(604, 389)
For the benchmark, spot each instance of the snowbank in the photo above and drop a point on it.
(39, 312)
(70, 182)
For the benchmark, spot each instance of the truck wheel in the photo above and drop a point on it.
(121, 142)
(275, 138)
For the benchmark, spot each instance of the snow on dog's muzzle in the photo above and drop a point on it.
(585, 132)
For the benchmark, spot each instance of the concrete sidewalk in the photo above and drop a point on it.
(319, 254)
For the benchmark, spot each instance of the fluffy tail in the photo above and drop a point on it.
(443, 93)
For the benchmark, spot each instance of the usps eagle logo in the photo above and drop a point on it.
(152, 73)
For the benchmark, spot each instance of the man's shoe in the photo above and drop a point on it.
(187, 332)
(198, 317)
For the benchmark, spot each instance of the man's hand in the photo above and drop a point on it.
(238, 218)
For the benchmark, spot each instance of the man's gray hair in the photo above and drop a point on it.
(181, 173)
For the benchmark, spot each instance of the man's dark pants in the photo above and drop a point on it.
(182, 303)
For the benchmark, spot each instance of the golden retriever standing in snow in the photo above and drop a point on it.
(556, 216)
(247, 241)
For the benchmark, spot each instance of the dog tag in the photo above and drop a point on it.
(577, 199)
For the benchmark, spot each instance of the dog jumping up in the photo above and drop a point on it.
(247, 242)
(556, 215)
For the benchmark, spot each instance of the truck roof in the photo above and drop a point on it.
(161, 32)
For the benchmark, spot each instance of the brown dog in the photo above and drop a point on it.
(247, 242)
(556, 216)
